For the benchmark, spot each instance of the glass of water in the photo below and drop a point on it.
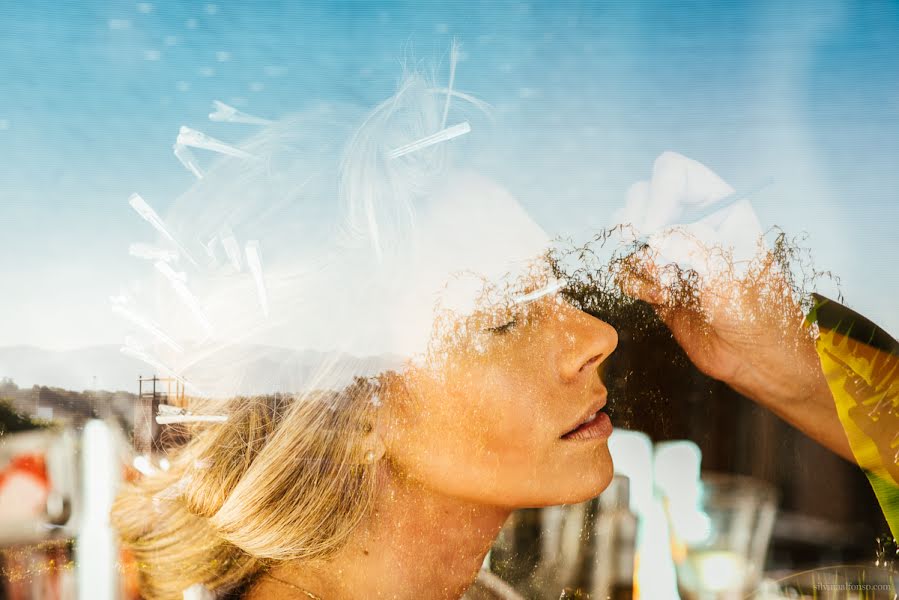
(720, 528)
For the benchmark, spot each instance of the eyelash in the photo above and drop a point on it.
(501, 329)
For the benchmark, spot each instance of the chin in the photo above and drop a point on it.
(588, 479)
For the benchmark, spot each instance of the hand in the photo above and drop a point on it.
(747, 332)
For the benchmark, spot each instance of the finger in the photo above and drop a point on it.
(639, 279)
(684, 323)
(643, 289)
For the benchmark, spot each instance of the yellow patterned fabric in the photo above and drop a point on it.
(861, 364)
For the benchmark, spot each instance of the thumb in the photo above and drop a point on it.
(692, 332)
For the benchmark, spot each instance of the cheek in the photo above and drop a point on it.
(489, 431)
(505, 435)
(496, 417)
(514, 417)
(471, 432)
(519, 426)
(437, 428)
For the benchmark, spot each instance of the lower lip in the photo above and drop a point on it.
(599, 428)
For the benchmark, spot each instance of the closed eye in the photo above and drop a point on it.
(505, 328)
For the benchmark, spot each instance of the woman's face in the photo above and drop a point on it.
(492, 414)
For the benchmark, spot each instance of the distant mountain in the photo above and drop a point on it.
(106, 368)
(95, 367)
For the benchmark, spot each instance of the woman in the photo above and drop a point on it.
(385, 477)
(483, 394)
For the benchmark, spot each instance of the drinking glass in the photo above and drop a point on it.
(720, 531)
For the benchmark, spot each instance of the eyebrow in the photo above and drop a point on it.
(553, 286)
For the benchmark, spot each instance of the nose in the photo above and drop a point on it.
(587, 341)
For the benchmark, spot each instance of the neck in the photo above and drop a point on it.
(417, 543)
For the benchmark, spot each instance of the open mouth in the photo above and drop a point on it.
(596, 426)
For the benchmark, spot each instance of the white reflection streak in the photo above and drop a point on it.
(228, 114)
(254, 261)
(454, 57)
(198, 139)
(555, 286)
(148, 214)
(145, 324)
(210, 246)
(435, 138)
(149, 252)
(210, 249)
(232, 249)
(187, 158)
(143, 464)
(173, 414)
(178, 281)
(169, 420)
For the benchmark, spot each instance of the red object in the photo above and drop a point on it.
(31, 464)
(24, 486)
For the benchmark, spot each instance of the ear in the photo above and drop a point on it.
(374, 448)
(387, 417)
(378, 420)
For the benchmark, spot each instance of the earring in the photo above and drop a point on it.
(376, 448)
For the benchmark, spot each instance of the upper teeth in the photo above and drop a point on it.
(590, 418)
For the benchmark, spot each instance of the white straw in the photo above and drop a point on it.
(254, 261)
(178, 281)
(187, 158)
(146, 324)
(232, 249)
(150, 252)
(169, 420)
(228, 114)
(168, 414)
(198, 139)
(454, 57)
(548, 289)
(148, 214)
(435, 138)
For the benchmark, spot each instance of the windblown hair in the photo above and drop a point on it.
(285, 477)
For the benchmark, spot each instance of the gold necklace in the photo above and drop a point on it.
(307, 593)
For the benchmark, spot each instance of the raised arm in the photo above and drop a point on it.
(750, 334)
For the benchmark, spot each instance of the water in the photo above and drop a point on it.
(713, 575)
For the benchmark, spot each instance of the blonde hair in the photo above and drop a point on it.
(286, 476)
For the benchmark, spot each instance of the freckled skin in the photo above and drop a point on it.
(472, 431)
(482, 420)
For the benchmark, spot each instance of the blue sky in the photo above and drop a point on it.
(92, 94)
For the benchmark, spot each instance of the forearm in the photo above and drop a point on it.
(814, 413)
